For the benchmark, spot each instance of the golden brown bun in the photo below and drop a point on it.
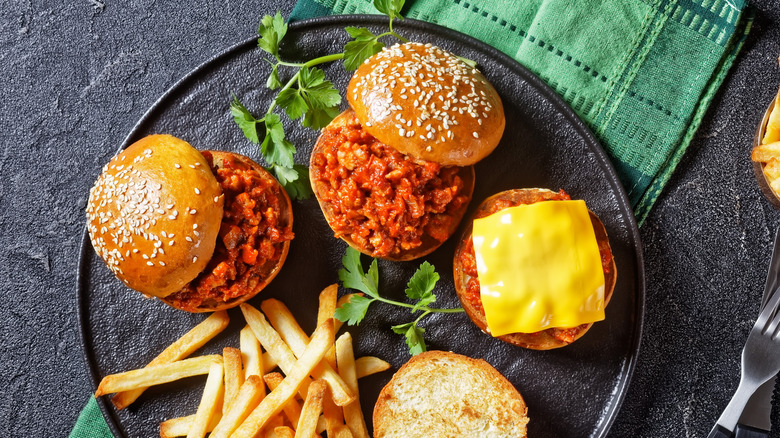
(442, 394)
(258, 276)
(428, 104)
(544, 340)
(429, 244)
(143, 210)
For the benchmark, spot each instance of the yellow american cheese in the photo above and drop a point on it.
(539, 267)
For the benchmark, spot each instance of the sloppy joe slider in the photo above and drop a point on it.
(534, 268)
(201, 231)
(393, 174)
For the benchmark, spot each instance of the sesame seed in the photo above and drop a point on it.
(475, 134)
(197, 191)
(194, 259)
(188, 239)
(150, 263)
(177, 165)
(161, 263)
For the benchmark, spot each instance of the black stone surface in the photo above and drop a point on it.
(76, 76)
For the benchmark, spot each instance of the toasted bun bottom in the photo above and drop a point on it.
(549, 338)
(334, 214)
(443, 394)
(249, 283)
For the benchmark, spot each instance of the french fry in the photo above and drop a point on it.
(775, 185)
(181, 348)
(269, 363)
(249, 395)
(312, 407)
(284, 432)
(180, 426)
(367, 365)
(772, 168)
(772, 130)
(353, 414)
(326, 309)
(342, 432)
(765, 152)
(321, 340)
(334, 417)
(234, 374)
(212, 393)
(292, 409)
(251, 354)
(273, 423)
(156, 374)
(285, 324)
(346, 298)
(273, 343)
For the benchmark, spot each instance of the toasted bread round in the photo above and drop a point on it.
(443, 394)
(362, 208)
(138, 214)
(427, 103)
(549, 338)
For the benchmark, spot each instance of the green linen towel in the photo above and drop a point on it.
(641, 73)
(91, 423)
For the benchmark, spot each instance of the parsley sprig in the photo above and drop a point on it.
(420, 288)
(306, 95)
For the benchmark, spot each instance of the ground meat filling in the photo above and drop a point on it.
(468, 261)
(379, 198)
(251, 238)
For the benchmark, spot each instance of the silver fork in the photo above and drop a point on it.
(760, 362)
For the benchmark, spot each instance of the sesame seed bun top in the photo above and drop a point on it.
(427, 103)
(154, 214)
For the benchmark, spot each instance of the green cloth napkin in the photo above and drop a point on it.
(91, 423)
(641, 73)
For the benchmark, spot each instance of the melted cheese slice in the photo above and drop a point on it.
(539, 267)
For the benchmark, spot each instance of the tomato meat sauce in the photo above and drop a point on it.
(468, 260)
(383, 200)
(251, 237)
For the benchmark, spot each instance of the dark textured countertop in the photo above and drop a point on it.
(76, 76)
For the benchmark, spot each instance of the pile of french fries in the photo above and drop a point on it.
(768, 152)
(315, 392)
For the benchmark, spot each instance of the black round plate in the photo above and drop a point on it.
(574, 392)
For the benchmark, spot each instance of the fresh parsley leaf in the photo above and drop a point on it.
(360, 33)
(401, 329)
(275, 148)
(358, 50)
(470, 62)
(292, 102)
(315, 98)
(271, 30)
(414, 337)
(391, 8)
(318, 118)
(273, 82)
(422, 282)
(371, 280)
(420, 286)
(245, 120)
(318, 91)
(352, 275)
(354, 310)
(295, 180)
